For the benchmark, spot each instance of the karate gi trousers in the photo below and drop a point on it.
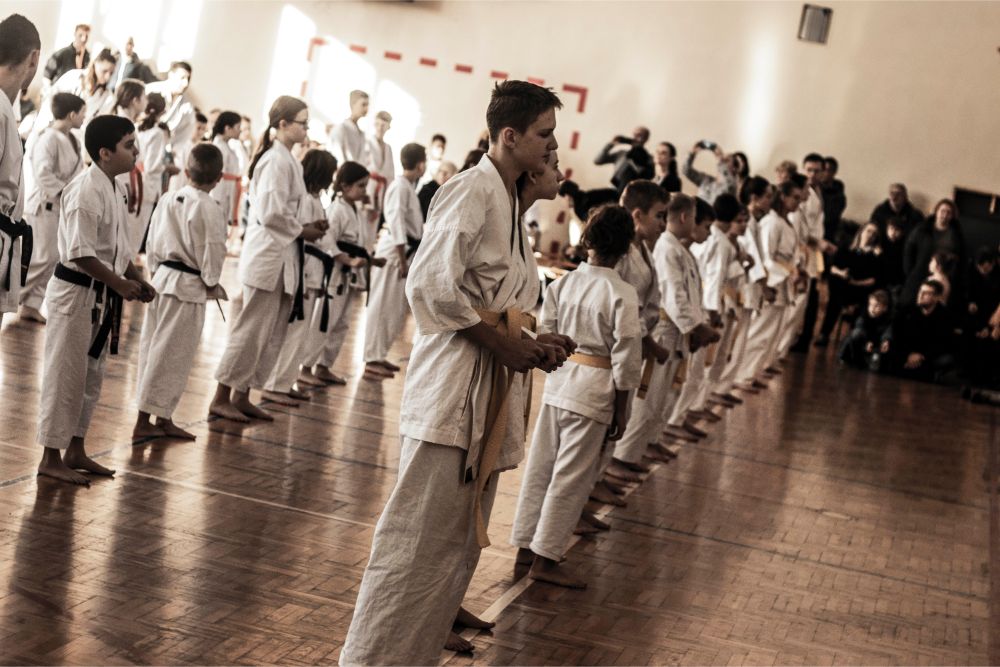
(44, 257)
(386, 311)
(295, 351)
(690, 389)
(424, 554)
(324, 347)
(761, 341)
(734, 362)
(791, 326)
(171, 331)
(256, 336)
(646, 422)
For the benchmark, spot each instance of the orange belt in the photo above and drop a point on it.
(592, 360)
(647, 376)
(680, 376)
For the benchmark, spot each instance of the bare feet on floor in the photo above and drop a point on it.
(389, 366)
(324, 374)
(678, 433)
(467, 619)
(661, 452)
(705, 415)
(620, 470)
(610, 485)
(52, 466)
(298, 395)
(172, 430)
(146, 431)
(592, 519)
(279, 398)
(603, 495)
(306, 377)
(226, 410)
(378, 368)
(76, 458)
(549, 571)
(693, 430)
(584, 528)
(457, 644)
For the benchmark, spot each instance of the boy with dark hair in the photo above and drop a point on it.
(54, 161)
(186, 248)
(386, 312)
(19, 51)
(462, 412)
(93, 276)
(864, 346)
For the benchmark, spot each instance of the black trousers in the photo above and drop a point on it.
(809, 323)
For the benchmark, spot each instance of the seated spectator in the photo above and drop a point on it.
(630, 157)
(709, 186)
(893, 275)
(982, 289)
(942, 268)
(854, 273)
(941, 231)
(897, 206)
(834, 198)
(921, 341)
(445, 171)
(867, 343)
(982, 321)
(665, 167)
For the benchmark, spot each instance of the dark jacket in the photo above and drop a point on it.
(984, 291)
(910, 216)
(920, 247)
(63, 61)
(630, 163)
(930, 335)
(834, 203)
(134, 69)
(426, 194)
(671, 183)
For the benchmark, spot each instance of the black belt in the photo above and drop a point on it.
(352, 250)
(111, 324)
(298, 301)
(17, 230)
(327, 260)
(177, 265)
(411, 246)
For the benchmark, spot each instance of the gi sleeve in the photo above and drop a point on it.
(395, 213)
(770, 238)
(682, 310)
(208, 227)
(626, 350)
(274, 211)
(44, 163)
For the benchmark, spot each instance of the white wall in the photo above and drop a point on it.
(902, 91)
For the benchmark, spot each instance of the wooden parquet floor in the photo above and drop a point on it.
(838, 518)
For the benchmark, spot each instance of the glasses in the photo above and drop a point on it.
(303, 123)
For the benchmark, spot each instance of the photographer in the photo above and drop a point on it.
(631, 159)
(710, 187)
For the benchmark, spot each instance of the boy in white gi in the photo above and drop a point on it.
(84, 298)
(811, 224)
(186, 248)
(462, 415)
(404, 222)
(585, 404)
(55, 158)
(347, 141)
(19, 49)
(738, 301)
(381, 165)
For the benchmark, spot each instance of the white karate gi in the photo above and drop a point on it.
(269, 267)
(91, 224)
(691, 389)
(715, 260)
(348, 143)
(153, 156)
(295, 351)
(180, 118)
(753, 299)
(99, 103)
(380, 162)
(11, 203)
(189, 227)
(225, 192)
(808, 224)
(387, 305)
(600, 311)
(729, 355)
(54, 160)
(475, 254)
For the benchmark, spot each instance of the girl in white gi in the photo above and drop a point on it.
(179, 115)
(270, 265)
(84, 299)
(185, 250)
(19, 51)
(55, 158)
(229, 189)
(585, 403)
(318, 167)
(154, 137)
(472, 279)
(130, 102)
(345, 243)
(91, 84)
(404, 222)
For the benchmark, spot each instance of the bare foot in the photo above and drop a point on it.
(748, 387)
(467, 619)
(375, 368)
(773, 370)
(618, 469)
(706, 415)
(306, 377)
(298, 395)
(323, 373)
(373, 376)
(80, 461)
(592, 519)
(279, 398)
(549, 571)
(391, 367)
(757, 384)
(678, 433)
(227, 410)
(243, 404)
(603, 495)
(58, 470)
(584, 528)
(172, 430)
(524, 556)
(146, 431)
(693, 430)
(658, 452)
(616, 489)
(457, 644)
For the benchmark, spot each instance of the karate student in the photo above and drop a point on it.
(585, 404)
(387, 307)
(55, 158)
(153, 139)
(778, 246)
(471, 282)
(225, 129)
(346, 243)
(738, 301)
(804, 256)
(19, 50)
(318, 167)
(381, 164)
(91, 84)
(85, 297)
(812, 225)
(270, 265)
(347, 141)
(179, 115)
(130, 103)
(185, 251)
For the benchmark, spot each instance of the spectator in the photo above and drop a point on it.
(444, 172)
(834, 198)
(74, 56)
(585, 200)
(941, 231)
(982, 289)
(129, 66)
(942, 268)
(665, 167)
(629, 156)
(785, 171)
(435, 155)
(472, 158)
(741, 170)
(921, 340)
(853, 275)
(893, 275)
(982, 339)
(710, 187)
(866, 343)
(897, 206)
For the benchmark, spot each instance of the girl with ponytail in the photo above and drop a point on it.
(270, 265)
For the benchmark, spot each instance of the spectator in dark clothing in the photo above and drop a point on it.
(584, 200)
(855, 272)
(897, 206)
(629, 156)
(941, 231)
(472, 158)
(865, 346)
(834, 198)
(893, 275)
(129, 66)
(922, 337)
(444, 172)
(74, 56)
(665, 167)
(983, 293)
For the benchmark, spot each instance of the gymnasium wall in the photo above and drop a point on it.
(902, 91)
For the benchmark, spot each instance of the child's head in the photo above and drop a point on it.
(986, 260)
(200, 125)
(726, 208)
(110, 142)
(382, 123)
(943, 262)
(680, 215)
(757, 193)
(646, 202)
(70, 107)
(179, 76)
(227, 125)
(130, 97)
(878, 303)
(289, 118)
(788, 196)
(318, 168)
(704, 216)
(204, 165)
(359, 104)
(20, 47)
(544, 184)
(608, 233)
(413, 158)
(739, 224)
(351, 181)
(894, 230)
(521, 119)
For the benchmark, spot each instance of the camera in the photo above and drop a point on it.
(622, 139)
(707, 145)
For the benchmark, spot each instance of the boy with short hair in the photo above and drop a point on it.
(864, 346)
(347, 141)
(186, 248)
(93, 276)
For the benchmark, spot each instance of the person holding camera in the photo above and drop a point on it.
(709, 186)
(630, 157)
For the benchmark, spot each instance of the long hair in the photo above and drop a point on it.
(348, 174)
(876, 240)
(318, 167)
(285, 108)
(224, 120)
(90, 84)
(128, 91)
(155, 106)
